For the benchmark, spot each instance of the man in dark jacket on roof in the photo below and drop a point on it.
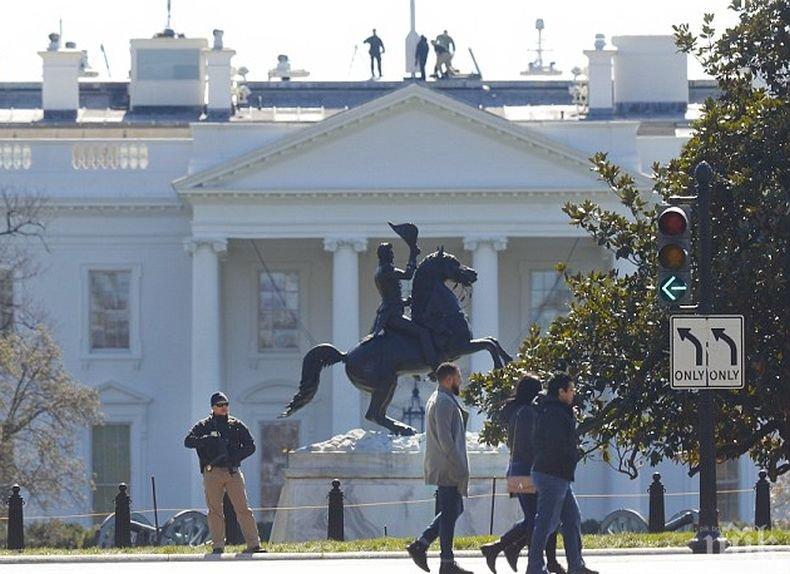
(222, 442)
(556, 453)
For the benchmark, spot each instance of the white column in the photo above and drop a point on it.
(485, 300)
(206, 333)
(346, 399)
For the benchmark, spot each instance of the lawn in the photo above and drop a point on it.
(744, 537)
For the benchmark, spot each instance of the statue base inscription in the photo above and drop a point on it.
(376, 467)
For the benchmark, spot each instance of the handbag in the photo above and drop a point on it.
(519, 484)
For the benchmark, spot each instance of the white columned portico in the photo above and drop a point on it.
(485, 300)
(346, 399)
(206, 332)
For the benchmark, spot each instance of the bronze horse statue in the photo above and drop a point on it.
(375, 364)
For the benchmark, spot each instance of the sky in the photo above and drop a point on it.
(325, 36)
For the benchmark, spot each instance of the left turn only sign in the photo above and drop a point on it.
(706, 352)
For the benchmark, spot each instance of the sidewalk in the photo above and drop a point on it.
(463, 554)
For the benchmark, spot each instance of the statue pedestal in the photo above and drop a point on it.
(375, 467)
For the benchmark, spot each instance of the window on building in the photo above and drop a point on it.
(109, 309)
(549, 297)
(728, 478)
(6, 300)
(110, 463)
(278, 311)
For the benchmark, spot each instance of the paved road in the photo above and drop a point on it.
(753, 563)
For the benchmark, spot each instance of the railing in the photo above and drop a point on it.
(69, 157)
(109, 155)
(15, 156)
(336, 506)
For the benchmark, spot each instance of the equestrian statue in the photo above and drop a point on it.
(397, 345)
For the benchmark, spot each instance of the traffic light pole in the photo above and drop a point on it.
(708, 539)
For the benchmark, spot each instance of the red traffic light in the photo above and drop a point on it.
(673, 221)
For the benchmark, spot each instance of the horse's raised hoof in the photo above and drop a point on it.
(406, 431)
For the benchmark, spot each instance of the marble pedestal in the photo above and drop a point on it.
(375, 467)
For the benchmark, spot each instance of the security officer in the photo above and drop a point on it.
(222, 442)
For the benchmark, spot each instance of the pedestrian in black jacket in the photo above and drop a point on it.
(556, 453)
(519, 415)
(222, 443)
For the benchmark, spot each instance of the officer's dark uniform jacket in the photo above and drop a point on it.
(240, 443)
(555, 441)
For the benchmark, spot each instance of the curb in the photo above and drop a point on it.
(131, 558)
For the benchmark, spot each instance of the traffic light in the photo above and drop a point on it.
(673, 241)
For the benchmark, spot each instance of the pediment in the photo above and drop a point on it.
(410, 139)
(113, 392)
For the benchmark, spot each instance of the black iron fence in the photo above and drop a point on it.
(125, 525)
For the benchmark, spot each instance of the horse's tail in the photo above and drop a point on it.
(318, 358)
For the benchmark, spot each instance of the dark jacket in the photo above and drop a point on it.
(520, 420)
(421, 52)
(234, 440)
(555, 440)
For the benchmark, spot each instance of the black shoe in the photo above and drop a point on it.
(218, 551)
(254, 550)
(555, 567)
(491, 551)
(419, 554)
(584, 570)
(512, 553)
(452, 568)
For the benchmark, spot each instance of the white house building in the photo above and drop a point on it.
(197, 245)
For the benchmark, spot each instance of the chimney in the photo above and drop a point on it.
(600, 89)
(220, 79)
(650, 76)
(60, 89)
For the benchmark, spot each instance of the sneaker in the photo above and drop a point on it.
(452, 568)
(584, 570)
(555, 568)
(419, 554)
(491, 551)
(218, 551)
(253, 550)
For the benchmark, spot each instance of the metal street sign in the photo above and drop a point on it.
(673, 288)
(706, 352)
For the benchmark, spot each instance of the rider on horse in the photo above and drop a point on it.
(390, 312)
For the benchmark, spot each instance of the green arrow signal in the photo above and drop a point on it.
(673, 288)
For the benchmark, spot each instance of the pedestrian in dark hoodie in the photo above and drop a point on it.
(519, 415)
(556, 454)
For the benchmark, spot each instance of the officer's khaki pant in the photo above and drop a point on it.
(216, 482)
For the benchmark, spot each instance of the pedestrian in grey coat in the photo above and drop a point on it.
(446, 466)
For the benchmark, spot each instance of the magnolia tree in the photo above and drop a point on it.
(42, 408)
(615, 338)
